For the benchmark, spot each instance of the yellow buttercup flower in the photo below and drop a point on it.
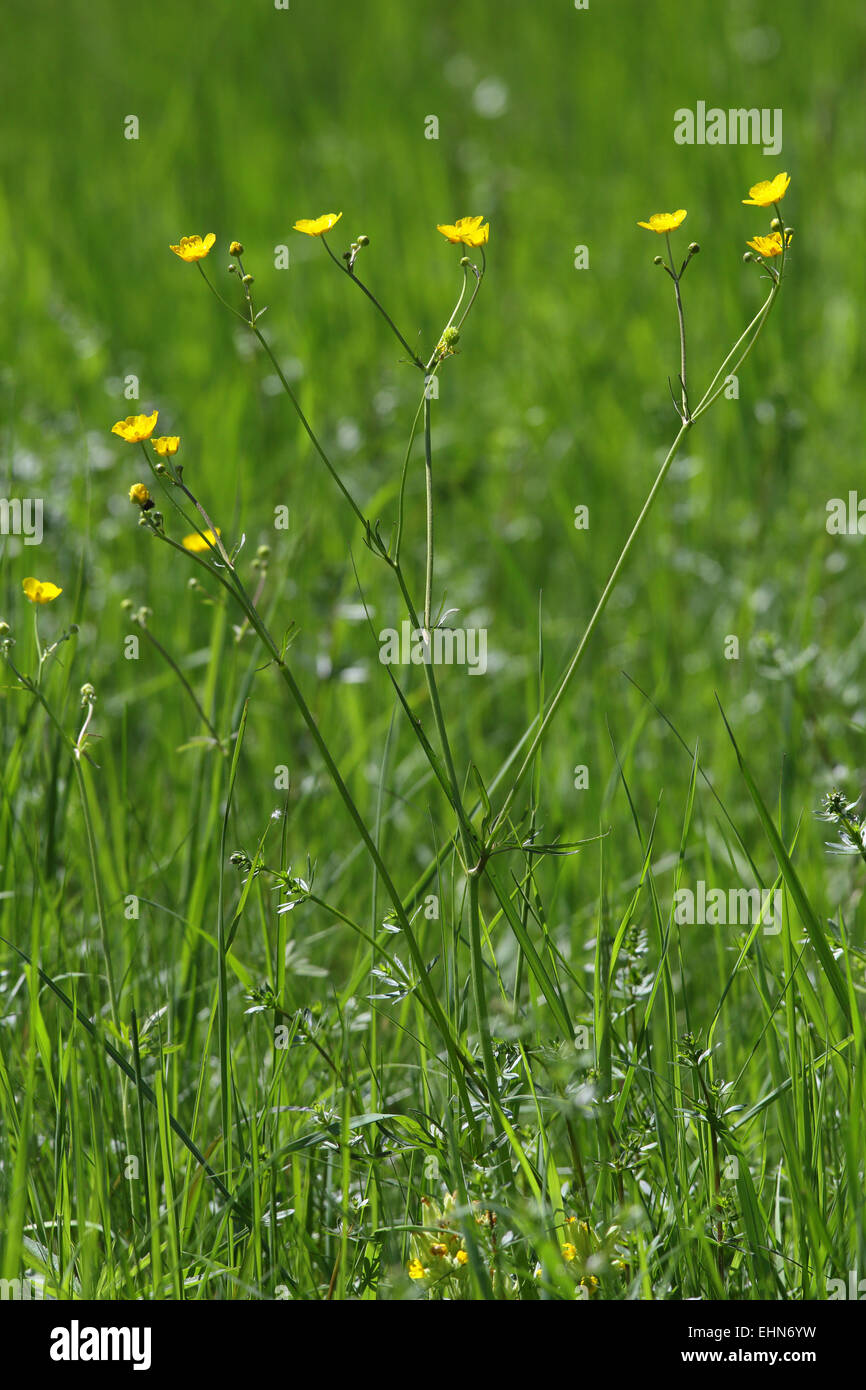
(136, 427)
(472, 231)
(769, 245)
(40, 590)
(416, 1270)
(462, 1257)
(768, 191)
(139, 494)
(315, 226)
(569, 1252)
(197, 543)
(194, 248)
(166, 444)
(665, 221)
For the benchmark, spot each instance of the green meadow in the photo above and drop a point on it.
(323, 978)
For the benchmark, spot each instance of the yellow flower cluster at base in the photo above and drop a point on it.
(438, 1253)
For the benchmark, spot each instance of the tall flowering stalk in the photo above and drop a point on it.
(479, 842)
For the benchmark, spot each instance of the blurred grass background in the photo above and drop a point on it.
(557, 125)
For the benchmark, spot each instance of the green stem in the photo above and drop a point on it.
(428, 476)
(682, 325)
(707, 400)
(398, 532)
(711, 394)
(309, 429)
(169, 660)
(341, 265)
(609, 587)
(77, 754)
(462, 1063)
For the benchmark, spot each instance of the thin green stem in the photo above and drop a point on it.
(682, 326)
(170, 661)
(349, 271)
(78, 753)
(215, 292)
(461, 1062)
(428, 477)
(565, 682)
(212, 535)
(713, 392)
(398, 532)
(309, 429)
(707, 400)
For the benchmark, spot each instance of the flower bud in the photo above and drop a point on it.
(248, 280)
(694, 249)
(363, 241)
(657, 260)
(776, 224)
(747, 256)
(236, 249)
(139, 494)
